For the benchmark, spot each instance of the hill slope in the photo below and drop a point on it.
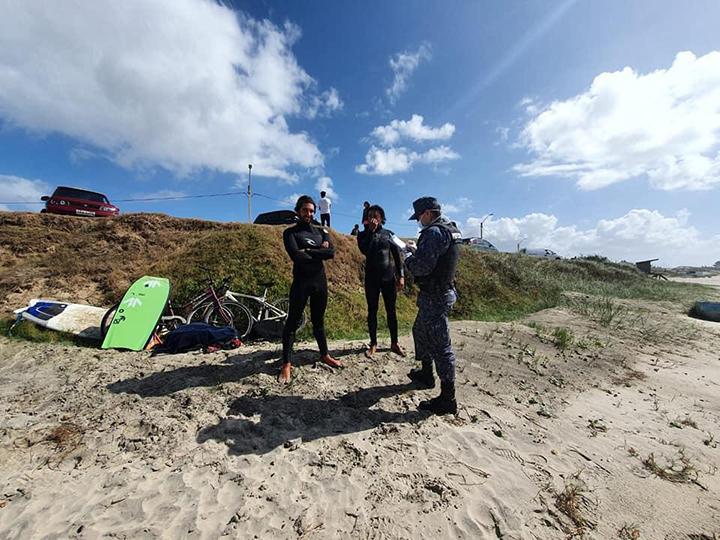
(94, 261)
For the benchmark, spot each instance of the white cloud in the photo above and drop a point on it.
(638, 235)
(390, 159)
(387, 161)
(290, 201)
(325, 104)
(404, 65)
(412, 129)
(529, 105)
(663, 125)
(503, 132)
(462, 204)
(181, 84)
(325, 183)
(16, 189)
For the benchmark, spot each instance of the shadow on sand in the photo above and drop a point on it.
(233, 369)
(283, 418)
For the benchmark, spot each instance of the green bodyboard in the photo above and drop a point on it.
(138, 314)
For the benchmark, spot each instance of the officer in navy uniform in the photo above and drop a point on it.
(433, 263)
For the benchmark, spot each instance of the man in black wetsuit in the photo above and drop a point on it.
(308, 246)
(384, 274)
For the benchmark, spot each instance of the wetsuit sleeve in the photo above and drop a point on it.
(397, 259)
(433, 243)
(323, 253)
(364, 240)
(296, 254)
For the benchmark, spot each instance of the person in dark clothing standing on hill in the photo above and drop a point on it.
(433, 263)
(384, 274)
(308, 246)
(366, 205)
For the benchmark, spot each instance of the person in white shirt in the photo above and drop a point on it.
(324, 206)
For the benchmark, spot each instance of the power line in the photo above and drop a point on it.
(205, 196)
(150, 199)
(394, 224)
(183, 197)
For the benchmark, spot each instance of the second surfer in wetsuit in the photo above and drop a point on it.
(384, 274)
(308, 246)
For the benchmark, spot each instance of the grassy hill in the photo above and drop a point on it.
(95, 260)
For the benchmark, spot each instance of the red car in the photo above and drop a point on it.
(79, 202)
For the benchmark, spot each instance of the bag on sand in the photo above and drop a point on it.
(198, 335)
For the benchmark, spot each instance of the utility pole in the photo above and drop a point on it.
(483, 221)
(249, 193)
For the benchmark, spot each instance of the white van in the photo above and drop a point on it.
(479, 244)
(543, 253)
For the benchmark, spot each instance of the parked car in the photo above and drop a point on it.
(543, 253)
(78, 202)
(279, 217)
(480, 244)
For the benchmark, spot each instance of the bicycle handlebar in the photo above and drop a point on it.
(224, 284)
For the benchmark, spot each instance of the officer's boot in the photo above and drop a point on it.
(443, 404)
(423, 377)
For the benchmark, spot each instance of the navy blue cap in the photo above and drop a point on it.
(422, 204)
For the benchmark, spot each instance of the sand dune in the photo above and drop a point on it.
(548, 443)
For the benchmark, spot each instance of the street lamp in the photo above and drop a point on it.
(483, 221)
(520, 240)
(249, 193)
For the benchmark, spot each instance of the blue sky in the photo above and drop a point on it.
(585, 127)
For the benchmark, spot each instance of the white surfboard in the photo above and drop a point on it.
(79, 319)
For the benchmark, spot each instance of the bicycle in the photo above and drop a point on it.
(196, 310)
(262, 314)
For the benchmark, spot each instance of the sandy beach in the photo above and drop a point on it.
(712, 281)
(611, 433)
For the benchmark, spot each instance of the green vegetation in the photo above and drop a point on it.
(31, 332)
(102, 258)
(563, 338)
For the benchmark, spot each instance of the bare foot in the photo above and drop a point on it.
(330, 361)
(284, 375)
(397, 349)
(370, 351)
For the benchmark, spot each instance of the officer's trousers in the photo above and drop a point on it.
(431, 333)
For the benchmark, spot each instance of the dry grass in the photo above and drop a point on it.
(630, 376)
(678, 470)
(683, 422)
(597, 426)
(628, 532)
(572, 501)
(94, 261)
(66, 437)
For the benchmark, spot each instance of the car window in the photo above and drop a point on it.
(75, 193)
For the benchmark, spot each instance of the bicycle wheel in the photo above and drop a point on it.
(284, 305)
(199, 313)
(107, 320)
(168, 323)
(231, 314)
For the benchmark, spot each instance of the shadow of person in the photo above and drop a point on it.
(283, 418)
(234, 368)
